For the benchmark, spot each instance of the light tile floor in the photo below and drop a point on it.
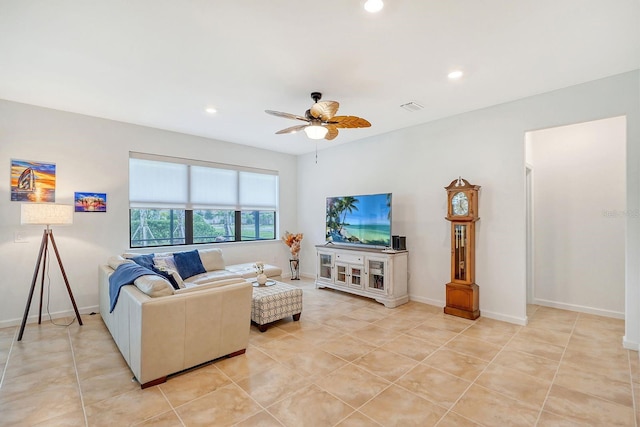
(348, 362)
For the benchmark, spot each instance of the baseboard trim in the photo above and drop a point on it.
(429, 301)
(483, 313)
(630, 345)
(522, 321)
(579, 308)
(45, 317)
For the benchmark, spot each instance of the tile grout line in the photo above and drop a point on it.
(348, 362)
(553, 380)
(633, 393)
(75, 369)
(6, 364)
(173, 409)
(476, 378)
(264, 408)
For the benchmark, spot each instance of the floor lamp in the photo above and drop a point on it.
(47, 214)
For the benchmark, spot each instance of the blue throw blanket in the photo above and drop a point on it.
(125, 274)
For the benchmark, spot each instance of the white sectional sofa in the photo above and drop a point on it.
(161, 330)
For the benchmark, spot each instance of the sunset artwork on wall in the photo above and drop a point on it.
(33, 181)
(90, 202)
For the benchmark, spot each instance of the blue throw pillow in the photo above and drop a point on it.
(188, 263)
(144, 260)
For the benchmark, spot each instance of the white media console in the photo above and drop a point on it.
(373, 273)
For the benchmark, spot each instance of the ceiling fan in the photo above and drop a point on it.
(321, 120)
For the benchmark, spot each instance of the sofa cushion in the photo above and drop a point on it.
(248, 270)
(154, 286)
(216, 284)
(188, 263)
(210, 276)
(211, 259)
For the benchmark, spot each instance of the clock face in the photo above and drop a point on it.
(460, 204)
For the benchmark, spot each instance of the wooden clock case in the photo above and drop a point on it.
(462, 293)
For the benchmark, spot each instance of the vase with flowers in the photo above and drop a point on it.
(261, 278)
(293, 241)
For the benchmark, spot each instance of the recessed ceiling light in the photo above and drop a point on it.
(455, 75)
(211, 110)
(373, 6)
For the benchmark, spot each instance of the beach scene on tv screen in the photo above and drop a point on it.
(362, 220)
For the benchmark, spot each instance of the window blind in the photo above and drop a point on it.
(166, 182)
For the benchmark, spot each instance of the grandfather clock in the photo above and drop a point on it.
(462, 211)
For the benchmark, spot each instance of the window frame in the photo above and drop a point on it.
(189, 207)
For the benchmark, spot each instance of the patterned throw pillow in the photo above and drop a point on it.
(166, 265)
(148, 261)
(188, 263)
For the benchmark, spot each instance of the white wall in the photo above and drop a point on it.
(92, 155)
(486, 148)
(579, 211)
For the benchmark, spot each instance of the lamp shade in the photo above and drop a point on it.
(46, 214)
(316, 131)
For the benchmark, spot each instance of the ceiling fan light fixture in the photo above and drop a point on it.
(316, 131)
(373, 6)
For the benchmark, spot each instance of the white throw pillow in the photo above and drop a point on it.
(211, 259)
(154, 286)
(115, 261)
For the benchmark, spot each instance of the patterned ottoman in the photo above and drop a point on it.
(275, 302)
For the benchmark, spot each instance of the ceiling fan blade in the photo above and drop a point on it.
(332, 132)
(324, 110)
(292, 129)
(349, 122)
(286, 115)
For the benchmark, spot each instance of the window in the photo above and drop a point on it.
(180, 202)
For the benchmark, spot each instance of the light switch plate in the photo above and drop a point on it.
(19, 237)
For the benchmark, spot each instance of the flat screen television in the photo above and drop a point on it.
(359, 220)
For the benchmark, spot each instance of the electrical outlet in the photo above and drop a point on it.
(19, 237)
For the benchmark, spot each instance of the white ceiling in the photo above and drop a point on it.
(160, 63)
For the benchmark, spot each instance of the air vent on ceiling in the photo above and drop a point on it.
(412, 106)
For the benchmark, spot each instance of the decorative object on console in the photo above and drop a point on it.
(47, 214)
(462, 294)
(399, 243)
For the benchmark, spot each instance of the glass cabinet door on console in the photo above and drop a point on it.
(355, 277)
(376, 275)
(325, 266)
(349, 275)
(341, 274)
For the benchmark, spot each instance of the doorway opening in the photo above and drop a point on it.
(575, 216)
